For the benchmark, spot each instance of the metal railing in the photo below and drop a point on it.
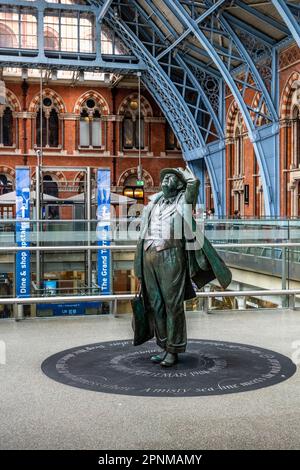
(112, 297)
(288, 293)
(132, 247)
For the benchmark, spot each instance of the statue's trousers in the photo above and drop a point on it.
(164, 277)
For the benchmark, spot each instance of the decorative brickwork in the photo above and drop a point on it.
(146, 108)
(92, 94)
(231, 115)
(68, 102)
(133, 171)
(57, 101)
(7, 170)
(286, 97)
(289, 57)
(13, 101)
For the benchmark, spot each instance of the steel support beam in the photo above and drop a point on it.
(248, 59)
(188, 30)
(164, 92)
(215, 166)
(66, 62)
(103, 10)
(35, 58)
(172, 33)
(289, 18)
(178, 60)
(183, 16)
(268, 166)
(40, 33)
(176, 111)
(258, 14)
(42, 4)
(203, 95)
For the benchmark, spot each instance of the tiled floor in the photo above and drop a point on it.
(39, 413)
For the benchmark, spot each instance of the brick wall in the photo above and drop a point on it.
(154, 157)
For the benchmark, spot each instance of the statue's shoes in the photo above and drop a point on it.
(170, 360)
(158, 357)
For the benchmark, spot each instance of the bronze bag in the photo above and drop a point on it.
(141, 322)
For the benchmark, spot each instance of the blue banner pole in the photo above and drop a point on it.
(103, 230)
(23, 231)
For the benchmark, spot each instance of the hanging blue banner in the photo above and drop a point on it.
(103, 229)
(23, 231)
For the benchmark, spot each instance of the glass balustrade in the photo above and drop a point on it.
(73, 269)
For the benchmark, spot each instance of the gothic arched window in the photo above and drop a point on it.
(50, 125)
(51, 39)
(296, 137)
(50, 187)
(53, 128)
(90, 132)
(238, 167)
(139, 131)
(128, 132)
(133, 127)
(7, 35)
(6, 127)
(6, 185)
(171, 140)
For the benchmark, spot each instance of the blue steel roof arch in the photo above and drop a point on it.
(201, 108)
(235, 50)
(179, 58)
(199, 105)
(182, 15)
(206, 100)
(211, 81)
(269, 171)
(254, 71)
(163, 90)
(103, 10)
(173, 33)
(160, 91)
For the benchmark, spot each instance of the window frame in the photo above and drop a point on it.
(90, 115)
(134, 119)
(12, 144)
(47, 111)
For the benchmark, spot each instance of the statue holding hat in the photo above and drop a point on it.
(171, 253)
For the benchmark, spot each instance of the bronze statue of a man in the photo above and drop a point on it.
(171, 252)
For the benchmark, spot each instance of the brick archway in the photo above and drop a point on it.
(95, 96)
(13, 101)
(230, 120)
(7, 170)
(79, 176)
(58, 176)
(57, 101)
(146, 108)
(133, 171)
(287, 94)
